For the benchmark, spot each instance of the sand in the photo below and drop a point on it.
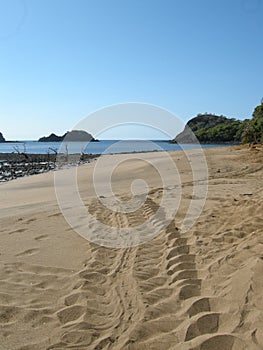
(201, 289)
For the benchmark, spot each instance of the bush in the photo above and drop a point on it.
(253, 130)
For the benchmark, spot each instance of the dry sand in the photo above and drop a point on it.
(199, 290)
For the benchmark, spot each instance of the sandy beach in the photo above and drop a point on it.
(199, 290)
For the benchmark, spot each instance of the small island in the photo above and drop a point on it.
(69, 136)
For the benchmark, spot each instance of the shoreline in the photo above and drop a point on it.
(17, 165)
(14, 165)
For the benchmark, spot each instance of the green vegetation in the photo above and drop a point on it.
(253, 129)
(210, 128)
(220, 130)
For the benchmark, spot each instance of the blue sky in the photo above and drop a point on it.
(60, 60)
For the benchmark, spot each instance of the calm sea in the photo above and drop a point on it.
(101, 147)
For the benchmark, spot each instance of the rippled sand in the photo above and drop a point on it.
(202, 289)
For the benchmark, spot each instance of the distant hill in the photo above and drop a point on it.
(210, 128)
(70, 136)
(2, 139)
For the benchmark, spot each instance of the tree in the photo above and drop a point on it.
(253, 130)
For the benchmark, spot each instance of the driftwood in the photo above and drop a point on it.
(15, 165)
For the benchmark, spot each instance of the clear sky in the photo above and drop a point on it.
(60, 60)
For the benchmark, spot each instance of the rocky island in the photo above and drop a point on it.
(69, 136)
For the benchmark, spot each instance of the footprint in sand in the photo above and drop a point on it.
(7, 314)
(41, 237)
(71, 313)
(20, 230)
(30, 220)
(28, 252)
(55, 215)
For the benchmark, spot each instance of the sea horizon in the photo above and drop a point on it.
(101, 147)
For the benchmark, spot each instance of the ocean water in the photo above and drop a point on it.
(101, 147)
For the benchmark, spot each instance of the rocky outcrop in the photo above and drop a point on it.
(70, 136)
(210, 128)
(51, 138)
(2, 139)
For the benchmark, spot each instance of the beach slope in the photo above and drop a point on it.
(201, 289)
